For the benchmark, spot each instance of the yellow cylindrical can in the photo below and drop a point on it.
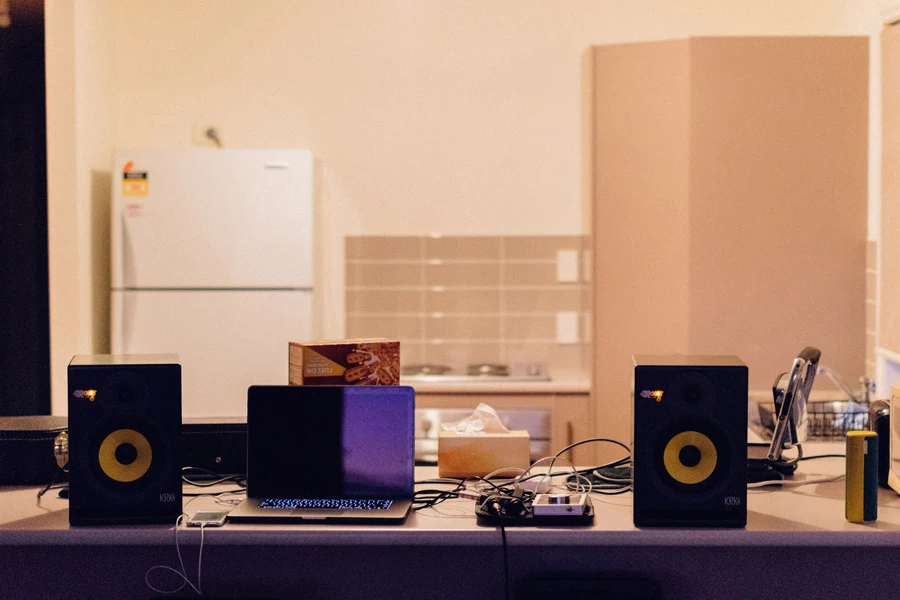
(862, 476)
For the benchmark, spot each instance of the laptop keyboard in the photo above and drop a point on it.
(327, 503)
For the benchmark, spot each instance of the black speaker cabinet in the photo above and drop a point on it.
(124, 439)
(689, 444)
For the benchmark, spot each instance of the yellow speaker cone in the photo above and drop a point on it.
(120, 471)
(692, 442)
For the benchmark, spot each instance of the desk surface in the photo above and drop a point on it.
(441, 551)
(794, 516)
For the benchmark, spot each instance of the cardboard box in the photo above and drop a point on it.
(477, 454)
(373, 361)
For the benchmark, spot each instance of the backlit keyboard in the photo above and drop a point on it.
(327, 503)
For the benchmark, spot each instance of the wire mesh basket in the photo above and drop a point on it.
(828, 420)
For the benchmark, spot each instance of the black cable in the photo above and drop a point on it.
(615, 463)
(50, 483)
(569, 472)
(217, 478)
(623, 490)
(589, 440)
(823, 456)
(595, 481)
(505, 562)
(240, 490)
(458, 480)
(427, 498)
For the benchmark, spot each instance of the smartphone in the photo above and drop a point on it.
(791, 426)
(207, 518)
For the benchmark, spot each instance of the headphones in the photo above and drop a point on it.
(505, 507)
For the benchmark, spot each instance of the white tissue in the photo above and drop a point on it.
(483, 420)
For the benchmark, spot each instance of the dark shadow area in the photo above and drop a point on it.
(24, 296)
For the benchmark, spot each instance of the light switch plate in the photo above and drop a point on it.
(567, 268)
(567, 327)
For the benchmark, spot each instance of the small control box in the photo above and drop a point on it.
(561, 505)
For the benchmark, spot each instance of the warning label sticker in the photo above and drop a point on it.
(135, 183)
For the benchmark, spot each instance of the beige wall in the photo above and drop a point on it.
(69, 332)
(79, 43)
(459, 117)
(94, 93)
(642, 181)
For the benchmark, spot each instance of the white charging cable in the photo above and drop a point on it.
(794, 482)
(183, 573)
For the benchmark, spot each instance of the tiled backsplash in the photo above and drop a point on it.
(871, 304)
(459, 300)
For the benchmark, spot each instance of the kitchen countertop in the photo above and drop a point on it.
(568, 385)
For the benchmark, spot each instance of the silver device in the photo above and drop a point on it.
(560, 505)
(792, 423)
(207, 518)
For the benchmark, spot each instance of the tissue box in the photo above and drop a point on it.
(373, 361)
(477, 454)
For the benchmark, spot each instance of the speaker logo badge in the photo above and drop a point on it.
(652, 395)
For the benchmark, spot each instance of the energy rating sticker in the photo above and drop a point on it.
(135, 183)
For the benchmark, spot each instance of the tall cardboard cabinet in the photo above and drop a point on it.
(730, 206)
(888, 320)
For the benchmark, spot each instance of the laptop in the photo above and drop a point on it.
(317, 453)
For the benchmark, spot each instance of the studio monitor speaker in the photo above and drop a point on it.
(124, 439)
(689, 444)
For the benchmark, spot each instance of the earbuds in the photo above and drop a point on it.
(509, 507)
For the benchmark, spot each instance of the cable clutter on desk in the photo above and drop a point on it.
(690, 465)
(687, 465)
(530, 497)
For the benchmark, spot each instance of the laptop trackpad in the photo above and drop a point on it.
(317, 513)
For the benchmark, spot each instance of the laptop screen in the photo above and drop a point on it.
(330, 442)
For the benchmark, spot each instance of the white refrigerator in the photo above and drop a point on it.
(212, 259)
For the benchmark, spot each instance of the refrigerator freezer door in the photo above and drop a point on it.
(204, 218)
(226, 340)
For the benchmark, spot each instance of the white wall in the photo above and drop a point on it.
(458, 117)
(66, 297)
(886, 11)
(79, 35)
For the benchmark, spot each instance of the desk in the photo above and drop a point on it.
(443, 553)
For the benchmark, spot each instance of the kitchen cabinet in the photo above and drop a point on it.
(888, 321)
(571, 415)
(729, 205)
